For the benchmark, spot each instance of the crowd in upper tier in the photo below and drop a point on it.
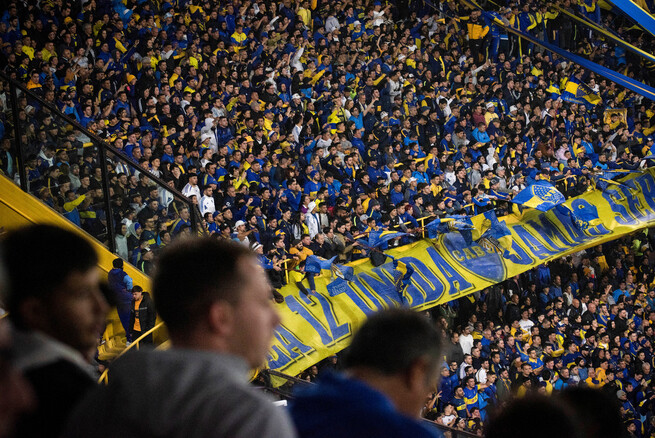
(297, 126)
(306, 124)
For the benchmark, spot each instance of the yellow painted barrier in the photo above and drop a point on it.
(19, 209)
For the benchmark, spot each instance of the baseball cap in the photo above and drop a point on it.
(239, 223)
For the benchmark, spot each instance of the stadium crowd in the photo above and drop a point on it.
(584, 321)
(300, 126)
(296, 127)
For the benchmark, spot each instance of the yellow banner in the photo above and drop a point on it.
(317, 326)
(621, 112)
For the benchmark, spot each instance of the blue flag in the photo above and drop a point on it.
(347, 272)
(402, 276)
(449, 224)
(541, 195)
(315, 264)
(583, 215)
(580, 93)
(498, 236)
(380, 237)
(607, 177)
(337, 287)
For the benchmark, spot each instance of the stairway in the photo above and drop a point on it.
(18, 209)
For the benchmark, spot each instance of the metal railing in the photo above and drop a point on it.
(421, 221)
(45, 139)
(286, 385)
(135, 345)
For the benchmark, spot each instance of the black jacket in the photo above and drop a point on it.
(146, 313)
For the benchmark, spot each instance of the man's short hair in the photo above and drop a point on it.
(391, 341)
(192, 274)
(38, 259)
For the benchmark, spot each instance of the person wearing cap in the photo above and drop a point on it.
(312, 219)
(313, 185)
(495, 190)
(491, 113)
(242, 234)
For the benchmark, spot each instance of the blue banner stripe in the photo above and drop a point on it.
(620, 79)
(636, 14)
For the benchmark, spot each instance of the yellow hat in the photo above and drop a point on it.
(130, 78)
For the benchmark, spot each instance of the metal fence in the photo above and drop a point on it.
(45, 144)
(282, 386)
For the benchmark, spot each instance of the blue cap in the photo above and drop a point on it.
(212, 180)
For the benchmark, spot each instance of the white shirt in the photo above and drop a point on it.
(189, 190)
(526, 324)
(466, 342)
(165, 197)
(462, 370)
(481, 376)
(313, 224)
(296, 133)
(207, 205)
(332, 24)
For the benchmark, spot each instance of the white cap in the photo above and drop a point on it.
(383, 114)
(357, 23)
(239, 223)
(296, 96)
(513, 108)
(490, 105)
(311, 206)
(204, 137)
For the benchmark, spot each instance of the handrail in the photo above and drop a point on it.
(102, 145)
(455, 433)
(135, 344)
(284, 376)
(421, 220)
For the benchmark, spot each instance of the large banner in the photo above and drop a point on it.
(317, 326)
